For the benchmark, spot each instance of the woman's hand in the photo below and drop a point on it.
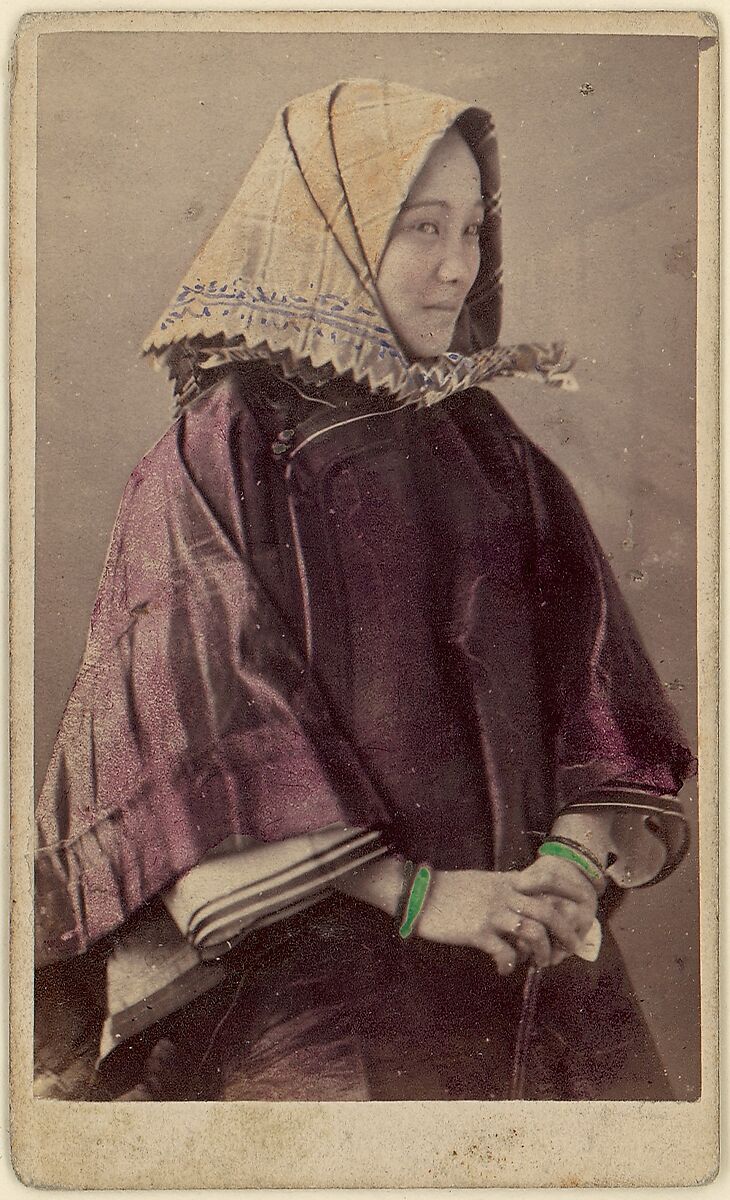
(538, 913)
(570, 893)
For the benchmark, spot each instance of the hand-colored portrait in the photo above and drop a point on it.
(365, 568)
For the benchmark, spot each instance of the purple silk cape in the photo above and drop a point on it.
(401, 621)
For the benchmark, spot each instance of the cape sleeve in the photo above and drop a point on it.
(618, 747)
(194, 716)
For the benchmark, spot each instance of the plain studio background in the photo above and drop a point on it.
(143, 139)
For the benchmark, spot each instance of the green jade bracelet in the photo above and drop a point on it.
(558, 850)
(416, 898)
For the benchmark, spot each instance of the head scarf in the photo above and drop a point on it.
(290, 274)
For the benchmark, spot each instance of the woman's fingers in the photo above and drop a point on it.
(556, 876)
(529, 935)
(504, 955)
(582, 916)
(558, 956)
(545, 910)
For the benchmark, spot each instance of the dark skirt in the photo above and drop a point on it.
(333, 1005)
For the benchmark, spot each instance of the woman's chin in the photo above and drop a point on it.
(428, 349)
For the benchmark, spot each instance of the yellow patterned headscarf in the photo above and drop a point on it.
(290, 273)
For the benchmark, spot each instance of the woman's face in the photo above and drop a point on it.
(432, 257)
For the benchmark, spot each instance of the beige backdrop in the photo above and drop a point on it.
(143, 138)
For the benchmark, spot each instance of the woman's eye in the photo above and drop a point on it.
(475, 229)
(427, 227)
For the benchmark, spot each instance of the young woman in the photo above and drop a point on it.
(363, 721)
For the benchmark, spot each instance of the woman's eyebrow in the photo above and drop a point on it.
(438, 204)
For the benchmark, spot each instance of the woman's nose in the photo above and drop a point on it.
(453, 265)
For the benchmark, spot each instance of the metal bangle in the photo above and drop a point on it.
(564, 841)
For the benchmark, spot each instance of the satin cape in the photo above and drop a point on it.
(402, 622)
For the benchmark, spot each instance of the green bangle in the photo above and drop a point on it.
(564, 841)
(416, 899)
(558, 850)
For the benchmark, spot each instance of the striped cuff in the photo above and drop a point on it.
(649, 832)
(246, 884)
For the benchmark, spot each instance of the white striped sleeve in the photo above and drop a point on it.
(245, 884)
